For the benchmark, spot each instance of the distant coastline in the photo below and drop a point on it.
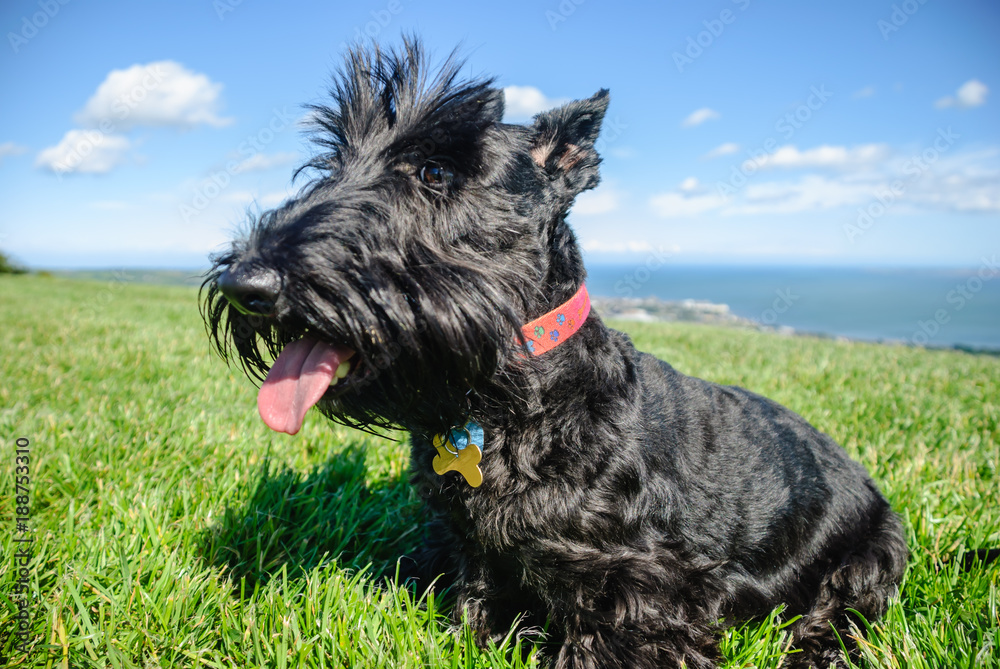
(655, 310)
(930, 307)
(669, 295)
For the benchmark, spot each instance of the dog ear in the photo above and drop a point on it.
(563, 139)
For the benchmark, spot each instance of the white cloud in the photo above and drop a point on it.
(810, 193)
(624, 152)
(961, 187)
(915, 183)
(789, 156)
(971, 94)
(968, 182)
(109, 205)
(84, 152)
(690, 185)
(523, 102)
(601, 200)
(865, 92)
(274, 198)
(673, 205)
(245, 198)
(726, 149)
(699, 116)
(261, 161)
(690, 198)
(11, 149)
(164, 93)
(629, 246)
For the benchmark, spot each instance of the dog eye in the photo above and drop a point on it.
(436, 176)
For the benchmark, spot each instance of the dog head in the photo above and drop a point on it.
(390, 291)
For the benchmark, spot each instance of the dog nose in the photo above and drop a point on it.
(252, 290)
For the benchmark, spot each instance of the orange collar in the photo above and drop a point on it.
(548, 331)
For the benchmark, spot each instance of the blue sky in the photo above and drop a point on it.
(740, 132)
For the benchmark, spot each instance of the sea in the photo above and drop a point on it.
(928, 307)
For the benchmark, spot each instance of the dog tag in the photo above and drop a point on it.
(458, 452)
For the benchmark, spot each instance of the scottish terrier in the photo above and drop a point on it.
(426, 278)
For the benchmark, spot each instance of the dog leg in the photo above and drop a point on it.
(619, 607)
(604, 646)
(863, 581)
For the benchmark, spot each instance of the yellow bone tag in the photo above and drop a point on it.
(462, 457)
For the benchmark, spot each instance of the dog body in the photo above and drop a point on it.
(628, 506)
(673, 503)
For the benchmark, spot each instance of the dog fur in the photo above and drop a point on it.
(627, 506)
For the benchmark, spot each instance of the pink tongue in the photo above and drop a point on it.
(298, 378)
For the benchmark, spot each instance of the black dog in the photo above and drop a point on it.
(629, 506)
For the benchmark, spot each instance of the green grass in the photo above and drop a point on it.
(174, 530)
